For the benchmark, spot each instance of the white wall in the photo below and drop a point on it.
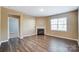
(28, 26)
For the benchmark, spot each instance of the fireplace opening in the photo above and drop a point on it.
(40, 31)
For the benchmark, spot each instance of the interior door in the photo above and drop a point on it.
(13, 27)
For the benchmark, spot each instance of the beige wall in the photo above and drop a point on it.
(72, 32)
(4, 22)
(78, 26)
(16, 13)
(0, 23)
(40, 22)
(4, 25)
(28, 26)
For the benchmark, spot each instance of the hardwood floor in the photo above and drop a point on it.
(42, 44)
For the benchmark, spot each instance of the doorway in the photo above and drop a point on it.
(13, 27)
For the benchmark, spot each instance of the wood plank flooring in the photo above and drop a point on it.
(42, 44)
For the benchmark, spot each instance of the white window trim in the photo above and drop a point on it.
(57, 25)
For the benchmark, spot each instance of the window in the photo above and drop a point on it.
(59, 24)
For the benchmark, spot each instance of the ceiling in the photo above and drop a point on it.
(43, 10)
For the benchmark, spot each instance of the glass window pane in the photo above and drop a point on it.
(54, 27)
(59, 24)
(62, 27)
(62, 20)
(65, 27)
(54, 21)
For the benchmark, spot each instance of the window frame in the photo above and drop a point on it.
(60, 24)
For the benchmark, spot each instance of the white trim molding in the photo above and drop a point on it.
(29, 35)
(3, 41)
(64, 37)
(21, 37)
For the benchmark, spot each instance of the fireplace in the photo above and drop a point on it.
(40, 31)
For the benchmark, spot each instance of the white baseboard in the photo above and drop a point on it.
(26, 36)
(63, 37)
(3, 41)
(21, 37)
